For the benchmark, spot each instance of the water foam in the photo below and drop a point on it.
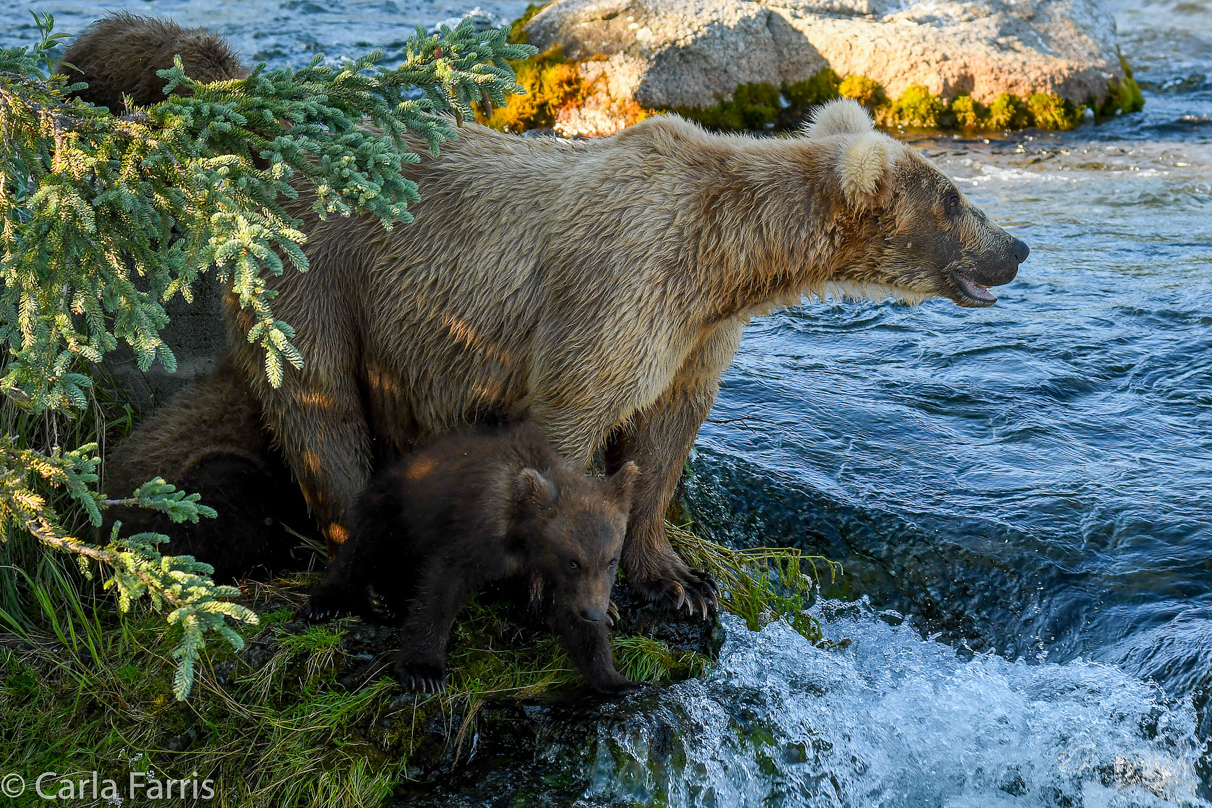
(895, 720)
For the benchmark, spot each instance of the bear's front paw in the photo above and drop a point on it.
(677, 585)
(420, 677)
(323, 605)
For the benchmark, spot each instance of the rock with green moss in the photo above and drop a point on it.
(1050, 111)
(1007, 112)
(696, 56)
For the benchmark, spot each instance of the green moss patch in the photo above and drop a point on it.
(867, 92)
(765, 107)
(918, 107)
(517, 29)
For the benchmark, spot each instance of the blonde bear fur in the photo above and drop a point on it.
(598, 289)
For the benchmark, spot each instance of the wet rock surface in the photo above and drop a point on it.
(688, 53)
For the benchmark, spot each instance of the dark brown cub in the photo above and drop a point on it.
(476, 507)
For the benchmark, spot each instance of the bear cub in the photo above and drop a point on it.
(476, 507)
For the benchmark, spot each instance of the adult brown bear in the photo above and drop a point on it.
(599, 289)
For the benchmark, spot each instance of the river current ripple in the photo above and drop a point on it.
(1021, 495)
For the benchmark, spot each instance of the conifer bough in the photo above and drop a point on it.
(107, 217)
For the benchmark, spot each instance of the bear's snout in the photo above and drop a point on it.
(999, 266)
(593, 615)
(1021, 250)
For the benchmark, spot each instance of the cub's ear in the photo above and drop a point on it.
(536, 490)
(619, 486)
(844, 116)
(866, 168)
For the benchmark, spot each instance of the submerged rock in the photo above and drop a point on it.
(673, 54)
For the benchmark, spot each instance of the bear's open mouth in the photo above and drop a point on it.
(971, 293)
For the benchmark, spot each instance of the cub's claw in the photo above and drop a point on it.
(616, 686)
(612, 614)
(421, 678)
(319, 609)
(423, 684)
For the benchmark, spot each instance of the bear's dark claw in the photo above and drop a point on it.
(324, 605)
(692, 588)
(678, 592)
(380, 606)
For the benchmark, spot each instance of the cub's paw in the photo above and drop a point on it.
(678, 585)
(420, 677)
(614, 685)
(382, 607)
(324, 605)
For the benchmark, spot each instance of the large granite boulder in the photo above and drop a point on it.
(693, 53)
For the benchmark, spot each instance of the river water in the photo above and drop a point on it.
(1021, 495)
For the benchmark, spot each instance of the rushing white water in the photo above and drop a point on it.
(895, 720)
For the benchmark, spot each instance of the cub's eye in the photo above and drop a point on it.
(614, 562)
(572, 565)
(951, 203)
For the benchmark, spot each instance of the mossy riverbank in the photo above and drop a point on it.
(553, 82)
(308, 715)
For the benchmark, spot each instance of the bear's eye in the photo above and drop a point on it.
(572, 565)
(614, 562)
(951, 203)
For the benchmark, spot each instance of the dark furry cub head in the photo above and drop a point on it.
(575, 527)
(120, 54)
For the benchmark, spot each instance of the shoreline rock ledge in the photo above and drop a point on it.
(669, 54)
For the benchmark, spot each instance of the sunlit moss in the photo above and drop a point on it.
(967, 112)
(917, 106)
(551, 82)
(1007, 112)
(1122, 96)
(868, 92)
(1050, 111)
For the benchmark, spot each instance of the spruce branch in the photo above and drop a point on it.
(105, 218)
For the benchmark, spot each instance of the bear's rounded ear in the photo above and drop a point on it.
(536, 489)
(621, 483)
(845, 116)
(866, 168)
